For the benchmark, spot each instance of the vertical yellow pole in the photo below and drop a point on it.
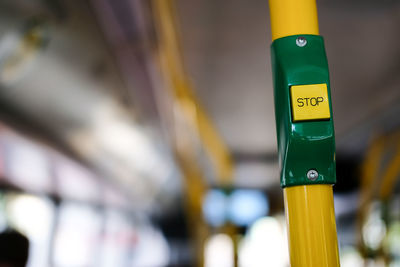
(177, 80)
(292, 17)
(309, 208)
(311, 226)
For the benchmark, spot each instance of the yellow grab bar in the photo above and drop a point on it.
(311, 226)
(292, 17)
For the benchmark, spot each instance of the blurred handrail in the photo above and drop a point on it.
(173, 68)
(195, 117)
(380, 172)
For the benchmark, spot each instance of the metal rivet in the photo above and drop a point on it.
(312, 175)
(301, 41)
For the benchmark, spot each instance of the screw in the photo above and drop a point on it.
(301, 41)
(312, 175)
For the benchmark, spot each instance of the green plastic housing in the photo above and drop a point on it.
(304, 145)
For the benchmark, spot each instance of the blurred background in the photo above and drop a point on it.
(142, 132)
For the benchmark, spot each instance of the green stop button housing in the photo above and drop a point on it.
(307, 144)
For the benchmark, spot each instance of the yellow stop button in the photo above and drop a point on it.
(310, 102)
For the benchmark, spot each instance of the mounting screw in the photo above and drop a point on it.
(312, 175)
(301, 41)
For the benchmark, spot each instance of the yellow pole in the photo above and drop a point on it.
(292, 17)
(309, 209)
(178, 81)
(173, 68)
(311, 226)
(391, 174)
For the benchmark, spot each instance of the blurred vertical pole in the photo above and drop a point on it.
(308, 202)
(173, 67)
(199, 123)
(379, 174)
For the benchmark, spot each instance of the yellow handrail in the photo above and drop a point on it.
(311, 226)
(391, 173)
(380, 173)
(172, 65)
(196, 118)
(292, 17)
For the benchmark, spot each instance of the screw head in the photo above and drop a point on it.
(312, 175)
(301, 41)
